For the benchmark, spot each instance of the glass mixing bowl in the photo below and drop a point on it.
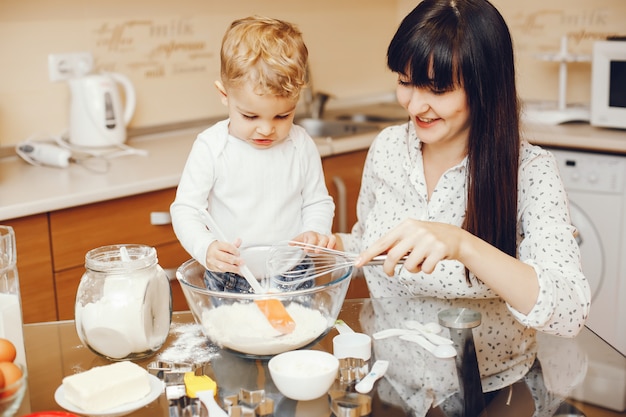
(235, 322)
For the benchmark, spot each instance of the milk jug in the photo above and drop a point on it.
(10, 304)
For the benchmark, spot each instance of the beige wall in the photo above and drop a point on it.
(537, 27)
(169, 49)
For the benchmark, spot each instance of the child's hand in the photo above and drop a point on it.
(317, 239)
(223, 256)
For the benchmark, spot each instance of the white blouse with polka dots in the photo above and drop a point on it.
(394, 188)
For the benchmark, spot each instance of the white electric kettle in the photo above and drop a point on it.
(97, 117)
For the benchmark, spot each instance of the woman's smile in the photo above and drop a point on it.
(425, 122)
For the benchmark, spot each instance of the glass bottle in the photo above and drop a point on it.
(123, 307)
(10, 303)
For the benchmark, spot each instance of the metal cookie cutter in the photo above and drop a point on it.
(161, 368)
(250, 403)
(349, 404)
(173, 374)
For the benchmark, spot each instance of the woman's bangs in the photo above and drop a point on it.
(439, 71)
(426, 63)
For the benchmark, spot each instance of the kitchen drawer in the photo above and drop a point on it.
(343, 174)
(77, 230)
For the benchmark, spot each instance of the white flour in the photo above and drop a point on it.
(131, 316)
(243, 327)
(189, 346)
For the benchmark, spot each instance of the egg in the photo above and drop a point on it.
(7, 350)
(12, 373)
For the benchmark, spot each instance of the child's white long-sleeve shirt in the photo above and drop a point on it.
(262, 196)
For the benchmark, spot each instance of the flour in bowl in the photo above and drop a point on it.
(243, 327)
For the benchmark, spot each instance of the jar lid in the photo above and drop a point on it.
(459, 318)
(120, 258)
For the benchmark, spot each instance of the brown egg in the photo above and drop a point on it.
(12, 373)
(7, 350)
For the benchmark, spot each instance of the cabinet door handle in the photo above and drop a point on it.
(160, 218)
(341, 208)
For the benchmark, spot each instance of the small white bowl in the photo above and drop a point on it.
(303, 375)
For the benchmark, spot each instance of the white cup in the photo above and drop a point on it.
(354, 351)
(352, 345)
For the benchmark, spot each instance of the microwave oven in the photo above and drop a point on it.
(608, 84)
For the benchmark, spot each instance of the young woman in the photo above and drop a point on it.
(482, 215)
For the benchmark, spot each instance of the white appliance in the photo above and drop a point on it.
(98, 116)
(608, 84)
(596, 186)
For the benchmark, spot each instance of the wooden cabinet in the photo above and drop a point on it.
(343, 179)
(52, 246)
(75, 231)
(34, 267)
(51, 249)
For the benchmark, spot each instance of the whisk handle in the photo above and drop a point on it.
(380, 259)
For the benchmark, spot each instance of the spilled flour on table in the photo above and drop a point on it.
(190, 346)
(244, 328)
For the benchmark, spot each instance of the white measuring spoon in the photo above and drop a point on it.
(367, 383)
(439, 351)
(342, 327)
(207, 398)
(432, 327)
(432, 337)
(387, 333)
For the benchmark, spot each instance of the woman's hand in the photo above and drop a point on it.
(317, 239)
(425, 243)
(224, 256)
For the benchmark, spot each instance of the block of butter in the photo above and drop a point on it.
(108, 386)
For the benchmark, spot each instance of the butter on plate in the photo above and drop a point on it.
(108, 386)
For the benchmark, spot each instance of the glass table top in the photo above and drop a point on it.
(416, 384)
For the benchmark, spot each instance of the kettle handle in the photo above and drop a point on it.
(129, 93)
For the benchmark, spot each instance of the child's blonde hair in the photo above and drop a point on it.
(268, 52)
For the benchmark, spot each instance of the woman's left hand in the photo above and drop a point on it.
(425, 243)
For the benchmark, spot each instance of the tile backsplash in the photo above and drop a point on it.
(170, 50)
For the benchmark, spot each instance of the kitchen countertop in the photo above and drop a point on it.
(570, 367)
(26, 190)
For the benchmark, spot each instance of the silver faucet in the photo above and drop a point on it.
(314, 102)
(318, 104)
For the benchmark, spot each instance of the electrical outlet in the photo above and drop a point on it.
(71, 65)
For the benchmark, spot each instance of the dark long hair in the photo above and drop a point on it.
(467, 43)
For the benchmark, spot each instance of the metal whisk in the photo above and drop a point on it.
(295, 263)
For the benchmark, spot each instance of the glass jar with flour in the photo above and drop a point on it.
(123, 305)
